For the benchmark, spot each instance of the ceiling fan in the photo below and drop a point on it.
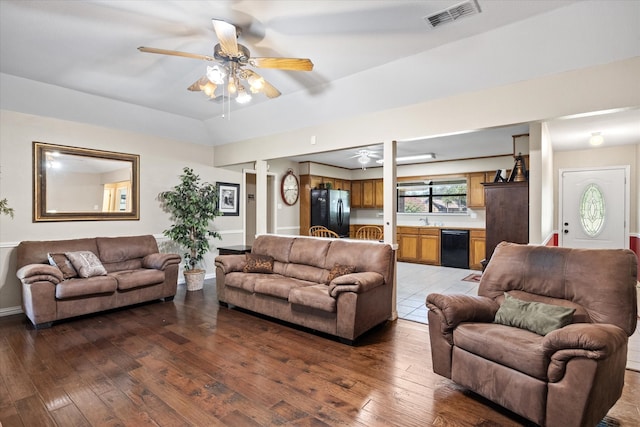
(364, 157)
(230, 69)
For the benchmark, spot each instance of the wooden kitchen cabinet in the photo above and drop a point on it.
(475, 188)
(429, 246)
(477, 248)
(356, 194)
(419, 245)
(367, 193)
(378, 190)
(408, 244)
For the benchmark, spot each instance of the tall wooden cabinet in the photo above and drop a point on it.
(507, 213)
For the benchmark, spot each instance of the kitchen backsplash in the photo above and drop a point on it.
(475, 218)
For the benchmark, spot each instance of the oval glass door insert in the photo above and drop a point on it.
(592, 210)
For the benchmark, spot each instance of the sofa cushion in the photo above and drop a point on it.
(86, 263)
(245, 281)
(309, 252)
(278, 247)
(278, 287)
(81, 287)
(258, 264)
(306, 272)
(62, 262)
(487, 340)
(316, 296)
(131, 279)
(533, 316)
(340, 270)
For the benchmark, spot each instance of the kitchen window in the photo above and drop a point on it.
(440, 197)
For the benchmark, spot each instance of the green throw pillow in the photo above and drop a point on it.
(533, 316)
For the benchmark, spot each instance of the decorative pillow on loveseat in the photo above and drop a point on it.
(86, 263)
(536, 317)
(340, 270)
(258, 264)
(64, 265)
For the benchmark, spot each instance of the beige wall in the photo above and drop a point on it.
(161, 162)
(592, 89)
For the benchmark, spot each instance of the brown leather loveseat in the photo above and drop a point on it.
(558, 375)
(306, 282)
(128, 270)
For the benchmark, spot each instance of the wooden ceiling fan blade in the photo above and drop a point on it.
(293, 64)
(270, 90)
(176, 53)
(199, 84)
(227, 36)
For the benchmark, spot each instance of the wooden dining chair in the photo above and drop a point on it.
(369, 232)
(321, 231)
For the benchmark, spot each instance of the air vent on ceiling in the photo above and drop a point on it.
(453, 13)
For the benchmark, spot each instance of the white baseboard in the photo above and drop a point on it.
(9, 311)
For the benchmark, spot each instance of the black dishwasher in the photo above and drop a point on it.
(454, 248)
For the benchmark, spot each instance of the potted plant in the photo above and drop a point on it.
(193, 205)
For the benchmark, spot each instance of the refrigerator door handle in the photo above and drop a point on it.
(340, 212)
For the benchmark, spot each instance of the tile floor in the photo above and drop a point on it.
(416, 281)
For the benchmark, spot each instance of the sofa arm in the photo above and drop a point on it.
(32, 273)
(455, 309)
(588, 340)
(231, 263)
(355, 282)
(159, 261)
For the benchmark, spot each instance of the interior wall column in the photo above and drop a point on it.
(389, 175)
(261, 168)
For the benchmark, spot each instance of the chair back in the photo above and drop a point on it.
(369, 232)
(599, 283)
(321, 231)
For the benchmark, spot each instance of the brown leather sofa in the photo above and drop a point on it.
(297, 288)
(135, 272)
(569, 377)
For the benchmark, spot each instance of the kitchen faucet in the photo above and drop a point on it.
(425, 220)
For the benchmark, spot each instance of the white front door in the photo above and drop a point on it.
(594, 207)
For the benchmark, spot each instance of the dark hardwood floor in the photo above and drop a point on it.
(192, 362)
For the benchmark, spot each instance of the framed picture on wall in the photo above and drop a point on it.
(228, 198)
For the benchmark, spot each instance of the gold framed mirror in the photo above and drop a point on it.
(82, 184)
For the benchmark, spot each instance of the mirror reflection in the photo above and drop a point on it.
(84, 184)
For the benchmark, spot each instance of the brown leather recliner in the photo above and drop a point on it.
(571, 376)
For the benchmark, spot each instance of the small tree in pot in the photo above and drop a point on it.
(192, 205)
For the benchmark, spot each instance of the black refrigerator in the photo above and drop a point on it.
(331, 209)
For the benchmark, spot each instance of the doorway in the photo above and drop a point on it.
(594, 207)
(250, 209)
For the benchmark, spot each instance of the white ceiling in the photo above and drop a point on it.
(369, 56)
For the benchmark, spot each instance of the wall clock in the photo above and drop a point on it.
(289, 188)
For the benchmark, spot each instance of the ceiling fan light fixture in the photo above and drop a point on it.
(243, 96)
(216, 74)
(232, 87)
(596, 139)
(256, 84)
(209, 89)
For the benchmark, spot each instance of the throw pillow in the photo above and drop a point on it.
(340, 270)
(536, 317)
(258, 264)
(64, 265)
(86, 263)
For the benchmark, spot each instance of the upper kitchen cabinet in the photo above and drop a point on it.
(367, 193)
